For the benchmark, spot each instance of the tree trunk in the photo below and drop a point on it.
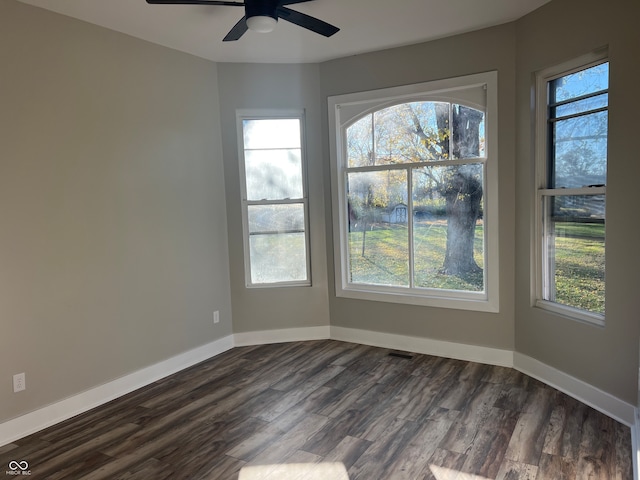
(463, 195)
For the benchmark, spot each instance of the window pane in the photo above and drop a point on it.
(574, 231)
(587, 81)
(580, 151)
(412, 132)
(271, 133)
(448, 231)
(276, 218)
(360, 142)
(377, 234)
(405, 133)
(580, 106)
(468, 132)
(278, 258)
(273, 174)
(578, 208)
(277, 243)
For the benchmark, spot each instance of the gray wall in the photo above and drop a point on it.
(604, 357)
(113, 241)
(121, 228)
(485, 50)
(256, 86)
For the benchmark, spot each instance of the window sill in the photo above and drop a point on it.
(582, 316)
(444, 299)
(279, 284)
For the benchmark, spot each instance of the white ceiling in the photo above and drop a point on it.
(365, 25)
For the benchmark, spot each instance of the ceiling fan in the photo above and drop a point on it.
(261, 16)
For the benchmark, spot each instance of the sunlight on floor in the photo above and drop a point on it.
(297, 471)
(442, 473)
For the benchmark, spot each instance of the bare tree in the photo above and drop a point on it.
(460, 185)
(422, 132)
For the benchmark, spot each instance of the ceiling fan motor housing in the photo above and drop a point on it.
(261, 8)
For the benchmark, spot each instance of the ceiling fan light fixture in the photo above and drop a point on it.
(262, 23)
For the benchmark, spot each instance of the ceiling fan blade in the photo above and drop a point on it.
(237, 31)
(196, 2)
(306, 21)
(291, 2)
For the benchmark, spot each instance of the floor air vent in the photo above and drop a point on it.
(401, 355)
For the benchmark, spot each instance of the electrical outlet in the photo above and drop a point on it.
(19, 382)
(216, 317)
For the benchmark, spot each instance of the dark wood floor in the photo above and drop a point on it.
(317, 410)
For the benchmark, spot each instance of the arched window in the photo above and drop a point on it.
(413, 175)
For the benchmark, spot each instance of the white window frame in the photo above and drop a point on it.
(542, 191)
(268, 114)
(343, 109)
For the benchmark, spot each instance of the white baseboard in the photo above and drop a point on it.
(635, 445)
(440, 348)
(44, 417)
(578, 389)
(264, 337)
(602, 401)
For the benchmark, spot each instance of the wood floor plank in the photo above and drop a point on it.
(350, 353)
(445, 464)
(305, 408)
(65, 454)
(336, 429)
(424, 365)
(511, 470)
(76, 468)
(512, 397)
(251, 446)
(485, 456)
(355, 396)
(347, 451)
(623, 466)
(457, 394)
(502, 375)
(597, 455)
(529, 436)
(565, 428)
(25, 450)
(313, 403)
(393, 402)
(473, 371)
(556, 467)
(420, 396)
(150, 468)
(299, 393)
(390, 368)
(413, 461)
(349, 377)
(222, 468)
(290, 441)
(464, 430)
(376, 461)
(162, 426)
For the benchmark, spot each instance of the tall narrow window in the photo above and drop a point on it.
(274, 200)
(415, 185)
(572, 174)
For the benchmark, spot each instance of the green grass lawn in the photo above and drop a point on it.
(579, 260)
(386, 258)
(580, 266)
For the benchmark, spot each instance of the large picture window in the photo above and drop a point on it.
(415, 182)
(572, 133)
(274, 200)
